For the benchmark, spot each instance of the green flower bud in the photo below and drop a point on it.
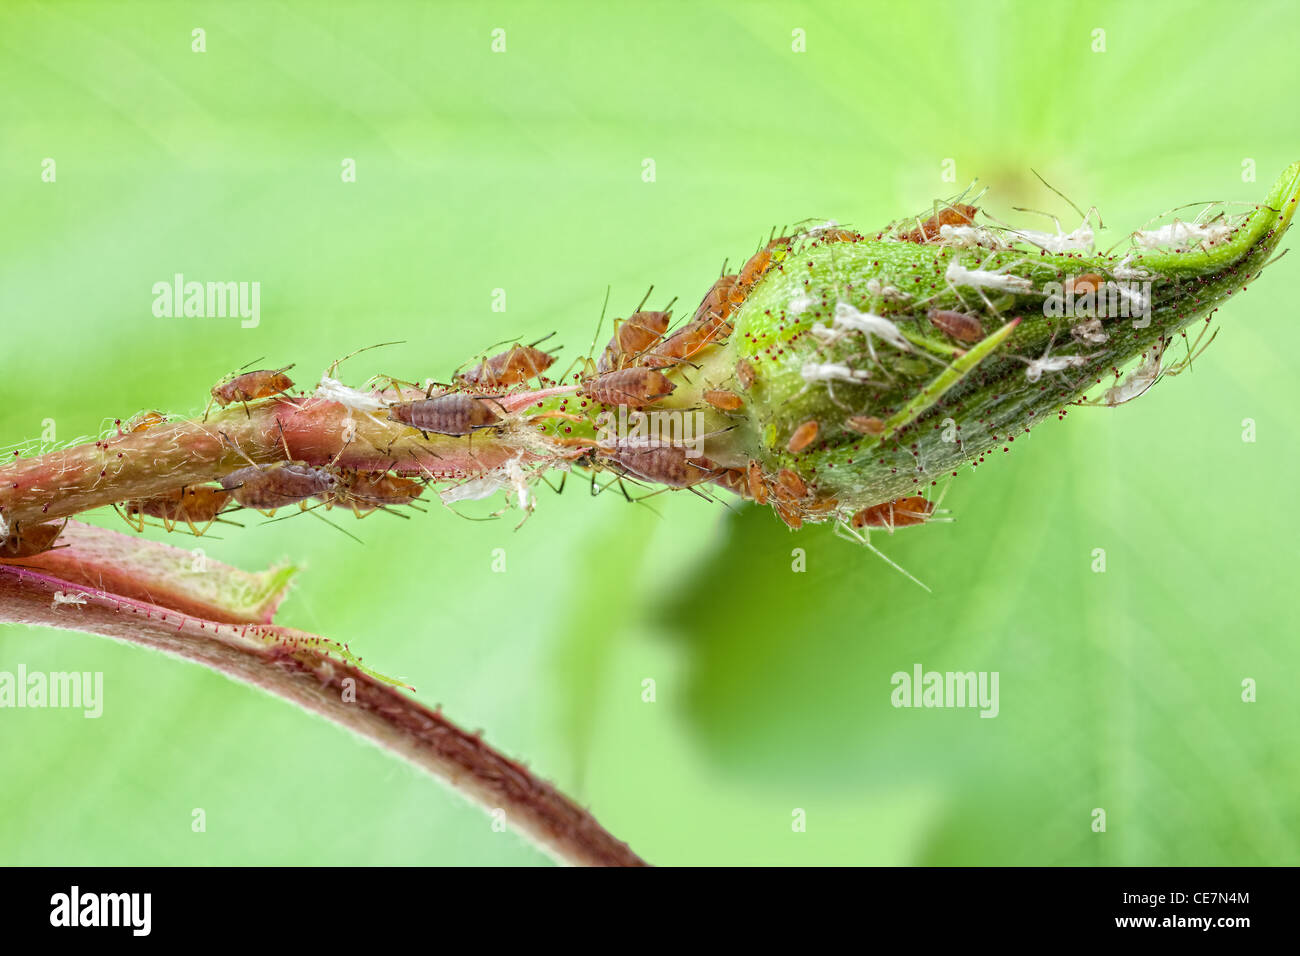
(882, 364)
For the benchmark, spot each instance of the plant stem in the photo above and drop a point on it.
(290, 664)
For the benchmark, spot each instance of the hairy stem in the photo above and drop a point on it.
(297, 667)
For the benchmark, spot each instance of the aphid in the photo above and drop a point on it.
(959, 214)
(267, 487)
(1135, 383)
(31, 540)
(745, 373)
(633, 387)
(1089, 332)
(967, 237)
(802, 437)
(791, 484)
(866, 425)
(146, 420)
(365, 492)
(759, 263)
(724, 400)
(60, 598)
(832, 372)
(515, 365)
(664, 464)
(957, 275)
(249, 387)
(721, 298)
(1079, 240)
(754, 479)
(1082, 285)
(632, 336)
(789, 514)
(848, 319)
(900, 513)
(452, 414)
(840, 235)
(688, 340)
(733, 479)
(960, 325)
(1179, 233)
(196, 505)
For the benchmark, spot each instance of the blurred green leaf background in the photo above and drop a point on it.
(522, 171)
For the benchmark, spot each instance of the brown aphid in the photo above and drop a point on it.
(866, 425)
(745, 373)
(719, 301)
(790, 483)
(803, 436)
(686, 341)
(267, 487)
(632, 336)
(821, 506)
(1082, 285)
(754, 478)
(724, 400)
(633, 387)
(251, 386)
(733, 479)
(30, 540)
(664, 464)
(452, 414)
(960, 325)
(514, 366)
(365, 492)
(899, 513)
(928, 231)
(196, 505)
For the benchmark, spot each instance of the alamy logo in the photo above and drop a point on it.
(922, 688)
(77, 689)
(658, 429)
(208, 300)
(102, 909)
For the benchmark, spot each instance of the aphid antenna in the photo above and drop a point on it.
(848, 533)
(1083, 215)
(599, 324)
(645, 298)
(334, 366)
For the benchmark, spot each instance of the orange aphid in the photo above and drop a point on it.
(632, 336)
(803, 436)
(745, 373)
(194, 505)
(1082, 285)
(686, 341)
(866, 425)
(30, 540)
(754, 478)
(516, 364)
(251, 386)
(789, 514)
(928, 231)
(633, 387)
(962, 327)
(724, 400)
(146, 420)
(791, 484)
(900, 513)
